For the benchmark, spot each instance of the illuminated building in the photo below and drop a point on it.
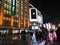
(14, 13)
(38, 20)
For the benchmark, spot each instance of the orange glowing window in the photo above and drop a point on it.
(1, 20)
(12, 20)
(1, 17)
(19, 22)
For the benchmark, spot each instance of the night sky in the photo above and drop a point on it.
(49, 8)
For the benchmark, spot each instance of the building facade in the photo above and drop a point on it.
(39, 20)
(14, 13)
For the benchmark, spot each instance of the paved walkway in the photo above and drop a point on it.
(43, 43)
(36, 43)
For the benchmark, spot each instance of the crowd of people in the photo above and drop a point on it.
(51, 35)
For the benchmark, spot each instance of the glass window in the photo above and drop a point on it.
(17, 20)
(5, 5)
(21, 17)
(8, 2)
(17, 5)
(5, 11)
(9, 13)
(26, 10)
(4, 18)
(9, 9)
(16, 15)
(0, 3)
(17, 9)
(21, 1)
(17, 1)
(21, 12)
(21, 7)
(21, 4)
(21, 23)
(9, 19)
(14, 20)
(5, 1)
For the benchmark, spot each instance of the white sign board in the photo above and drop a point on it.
(33, 14)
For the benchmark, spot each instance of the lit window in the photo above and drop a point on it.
(0, 2)
(17, 20)
(3, 18)
(21, 12)
(9, 19)
(16, 15)
(26, 10)
(10, 0)
(17, 5)
(6, 18)
(16, 10)
(21, 23)
(21, 2)
(21, 7)
(18, 1)
(5, 11)
(10, 7)
(9, 13)
(21, 17)
(5, 5)
(14, 20)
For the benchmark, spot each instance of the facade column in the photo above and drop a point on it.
(1, 14)
(12, 20)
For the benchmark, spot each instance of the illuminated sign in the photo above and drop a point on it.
(13, 7)
(33, 14)
(35, 27)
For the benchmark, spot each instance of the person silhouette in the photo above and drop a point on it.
(58, 33)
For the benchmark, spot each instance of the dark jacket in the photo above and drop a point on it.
(58, 33)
